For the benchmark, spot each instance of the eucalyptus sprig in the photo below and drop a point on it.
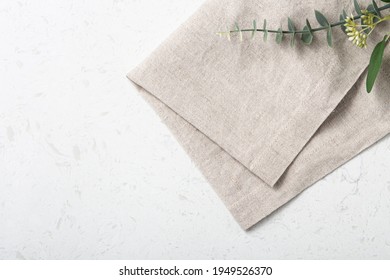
(357, 32)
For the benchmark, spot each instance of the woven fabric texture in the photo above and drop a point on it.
(263, 121)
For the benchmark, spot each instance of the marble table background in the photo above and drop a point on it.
(88, 171)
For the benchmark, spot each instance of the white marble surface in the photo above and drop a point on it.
(88, 171)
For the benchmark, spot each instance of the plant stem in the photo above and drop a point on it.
(385, 7)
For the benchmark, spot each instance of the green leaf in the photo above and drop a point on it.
(375, 64)
(321, 19)
(291, 28)
(279, 36)
(376, 8)
(254, 29)
(307, 36)
(371, 8)
(265, 31)
(329, 37)
(357, 7)
(387, 1)
(238, 29)
(309, 26)
(292, 42)
(342, 18)
(325, 23)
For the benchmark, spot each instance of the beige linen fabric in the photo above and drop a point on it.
(263, 122)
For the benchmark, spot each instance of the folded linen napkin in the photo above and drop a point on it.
(263, 122)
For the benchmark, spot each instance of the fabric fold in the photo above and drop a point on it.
(262, 122)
